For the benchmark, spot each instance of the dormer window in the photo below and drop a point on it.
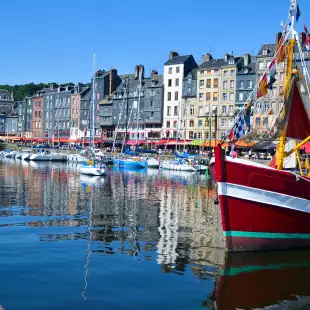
(265, 51)
(246, 71)
(231, 61)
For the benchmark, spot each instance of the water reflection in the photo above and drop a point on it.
(118, 229)
(270, 280)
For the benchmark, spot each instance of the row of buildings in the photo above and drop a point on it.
(183, 103)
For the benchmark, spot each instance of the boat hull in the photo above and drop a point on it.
(178, 167)
(92, 171)
(128, 163)
(261, 208)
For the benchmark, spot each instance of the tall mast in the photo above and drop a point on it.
(292, 32)
(139, 98)
(92, 125)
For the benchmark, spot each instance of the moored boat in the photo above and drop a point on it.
(40, 156)
(178, 165)
(59, 157)
(127, 163)
(92, 170)
(77, 158)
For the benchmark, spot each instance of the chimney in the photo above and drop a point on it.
(227, 56)
(278, 37)
(137, 72)
(206, 58)
(154, 72)
(51, 86)
(141, 71)
(173, 54)
(246, 59)
(302, 38)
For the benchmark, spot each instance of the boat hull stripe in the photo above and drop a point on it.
(263, 196)
(251, 234)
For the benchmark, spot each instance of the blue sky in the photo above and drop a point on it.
(45, 41)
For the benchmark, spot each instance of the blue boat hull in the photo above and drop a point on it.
(127, 163)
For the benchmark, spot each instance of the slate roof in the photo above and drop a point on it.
(177, 60)
(218, 63)
(251, 67)
(270, 47)
(193, 73)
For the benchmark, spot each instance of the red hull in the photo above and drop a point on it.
(261, 208)
(257, 280)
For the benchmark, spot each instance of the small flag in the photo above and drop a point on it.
(271, 74)
(262, 87)
(298, 12)
(281, 52)
(306, 29)
(239, 131)
(230, 134)
(247, 114)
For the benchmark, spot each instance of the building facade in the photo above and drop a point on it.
(175, 69)
(37, 115)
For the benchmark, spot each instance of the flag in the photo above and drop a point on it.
(308, 42)
(247, 114)
(230, 134)
(262, 87)
(271, 74)
(239, 131)
(306, 29)
(280, 51)
(297, 13)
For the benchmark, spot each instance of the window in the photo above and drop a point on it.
(231, 97)
(177, 70)
(216, 71)
(151, 103)
(200, 123)
(191, 123)
(257, 121)
(281, 76)
(39, 113)
(250, 84)
(176, 82)
(209, 72)
(169, 82)
(240, 98)
(232, 72)
(168, 124)
(225, 73)
(225, 85)
(200, 96)
(215, 83)
(232, 84)
(176, 111)
(268, 63)
(36, 113)
(200, 110)
(208, 83)
(199, 135)
(168, 111)
(176, 95)
(224, 109)
(223, 122)
(261, 65)
(225, 96)
(241, 84)
(189, 90)
(258, 106)
(201, 83)
(265, 122)
(152, 114)
(265, 51)
(266, 106)
(192, 110)
(175, 123)
(215, 96)
(169, 96)
(208, 96)
(191, 135)
(231, 61)
(170, 70)
(231, 109)
(152, 92)
(207, 135)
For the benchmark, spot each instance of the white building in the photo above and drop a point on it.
(174, 71)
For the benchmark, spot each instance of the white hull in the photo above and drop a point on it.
(152, 163)
(10, 155)
(91, 170)
(178, 167)
(40, 157)
(26, 156)
(57, 157)
(76, 158)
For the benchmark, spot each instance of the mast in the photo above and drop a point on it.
(281, 147)
(92, 125)
(138, 108)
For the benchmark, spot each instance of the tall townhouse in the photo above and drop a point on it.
(75, 112)
(85, 104)
(37, 115)
(133, 107)
(175, 69)
(226, 113)
(193, 128)
(208, 91)
(28, 125)
(269, 106)
(246, 81)
(21, 107)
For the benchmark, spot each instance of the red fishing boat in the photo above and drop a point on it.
(268, 208)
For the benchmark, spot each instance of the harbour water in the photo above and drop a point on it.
(131, 240)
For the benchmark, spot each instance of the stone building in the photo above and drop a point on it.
(37, 115)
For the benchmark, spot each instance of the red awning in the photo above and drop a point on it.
(306, 147)
(298, 125)
(134, 142)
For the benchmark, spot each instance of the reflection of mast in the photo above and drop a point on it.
(90, 235)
